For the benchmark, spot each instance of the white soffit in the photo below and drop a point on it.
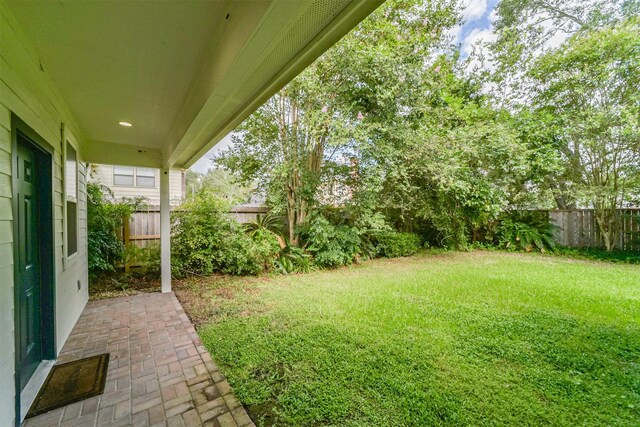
(183, 73)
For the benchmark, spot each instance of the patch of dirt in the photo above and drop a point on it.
(206, 299)
(121, 284)
(225, 293)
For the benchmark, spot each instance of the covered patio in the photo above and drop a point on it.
(159, 372)
(131, 83)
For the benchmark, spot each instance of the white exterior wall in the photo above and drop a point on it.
(25, 90)
(104, 175)
(7, 352)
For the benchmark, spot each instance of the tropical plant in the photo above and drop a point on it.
(267, 224)
(293, 259)
(526, 230)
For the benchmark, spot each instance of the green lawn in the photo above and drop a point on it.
(480, 338)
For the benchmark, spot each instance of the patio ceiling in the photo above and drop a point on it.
(183, 73)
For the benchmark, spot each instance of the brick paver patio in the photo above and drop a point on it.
(159, 372)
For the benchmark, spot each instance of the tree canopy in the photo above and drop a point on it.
(392, 127)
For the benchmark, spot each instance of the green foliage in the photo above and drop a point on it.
(302, 146)
(217, 181)
(268, 223)
(393, 244)
(526, 230)
(147, 259)
(390, 124)
(293, 259)
(331, 245)
(596, 254)
(104, 219)
(267, 247)
(588, 90)
(206, 240)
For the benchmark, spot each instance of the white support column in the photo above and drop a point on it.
(165, 232)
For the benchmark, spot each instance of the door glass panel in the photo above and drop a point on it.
(27, 171)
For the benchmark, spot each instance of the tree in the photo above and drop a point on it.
(219, 182)
(587, 98)
(456, 164)
(307, 134)
(527, 29)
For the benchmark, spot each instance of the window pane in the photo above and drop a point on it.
(71, 174)
(122, 170)
(72, 228)
(145, 181)
(123, 180)
(146, 172)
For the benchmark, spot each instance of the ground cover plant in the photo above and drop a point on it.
(442, 338)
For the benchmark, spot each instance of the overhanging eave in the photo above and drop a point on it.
(235, 99)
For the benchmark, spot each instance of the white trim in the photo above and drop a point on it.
(165, 231)
(31, 389)
(66, 138)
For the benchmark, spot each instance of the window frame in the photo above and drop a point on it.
(134, 177)
(153, 175)
(70, 199)
(114, 174)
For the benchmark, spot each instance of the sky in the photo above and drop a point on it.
(477, 26)
(478, 17)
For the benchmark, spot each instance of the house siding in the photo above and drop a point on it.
(7, 385)
(104, 175)
(26, 92)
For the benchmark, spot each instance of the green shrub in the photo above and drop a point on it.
(148, 260)
(206, 240)
(104, 219)
(331, 245)
(526, 230)
(393, 244)
(293, 259)
(267, 247)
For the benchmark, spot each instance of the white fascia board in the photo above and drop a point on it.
(222, 114)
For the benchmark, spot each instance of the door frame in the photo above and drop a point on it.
(46, 230)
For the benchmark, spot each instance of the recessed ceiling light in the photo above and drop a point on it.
(125, 124)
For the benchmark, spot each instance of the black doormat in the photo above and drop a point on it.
(71, 382)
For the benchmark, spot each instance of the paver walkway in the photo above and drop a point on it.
(159, 372)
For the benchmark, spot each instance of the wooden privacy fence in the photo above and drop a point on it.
(143, 228)
(578, 228)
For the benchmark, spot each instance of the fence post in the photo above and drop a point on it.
(126, 227)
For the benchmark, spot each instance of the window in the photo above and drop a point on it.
(145, 177)
(123, 175)
(134, 177)
(71, 191)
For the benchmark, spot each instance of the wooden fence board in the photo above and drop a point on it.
(578, 228)
(144, 225)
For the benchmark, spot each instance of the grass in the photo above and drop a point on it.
(480, 338)
(627, 256)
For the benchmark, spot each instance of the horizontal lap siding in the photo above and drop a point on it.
(7, 352)
(27, 92)
(104, 175)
